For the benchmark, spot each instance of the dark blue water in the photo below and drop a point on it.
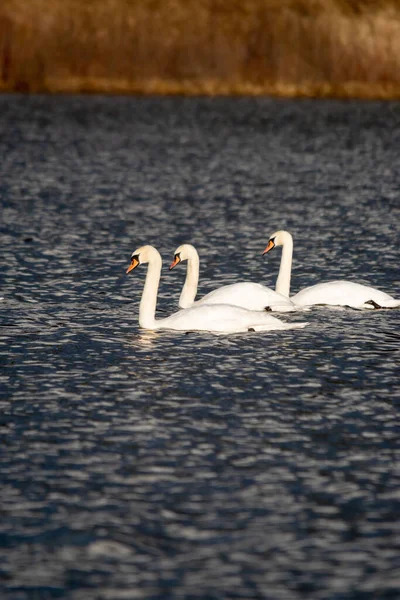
(142, 465)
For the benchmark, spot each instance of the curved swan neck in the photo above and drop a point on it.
(189, 289)
(147, 307)
(285, 269)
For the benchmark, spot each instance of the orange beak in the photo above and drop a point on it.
(133, 265)
(269, 247)
(175, 262)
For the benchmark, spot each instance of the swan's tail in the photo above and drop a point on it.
(280, 326)
(392, 303)
(389, 303)
(287, 308)
(281, 308)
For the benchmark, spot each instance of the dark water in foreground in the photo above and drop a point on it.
(170, 466)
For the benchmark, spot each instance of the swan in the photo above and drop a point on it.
(332, 293)
(218, 318)
(253, 296)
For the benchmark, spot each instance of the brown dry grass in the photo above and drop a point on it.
(347, 48)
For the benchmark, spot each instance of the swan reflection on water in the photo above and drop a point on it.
(145, 338)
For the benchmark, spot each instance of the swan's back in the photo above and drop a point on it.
(344, 293)
(252, 296)
(223, 318)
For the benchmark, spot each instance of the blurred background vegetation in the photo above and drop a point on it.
(347, 48)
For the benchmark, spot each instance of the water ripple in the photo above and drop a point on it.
(153, 465)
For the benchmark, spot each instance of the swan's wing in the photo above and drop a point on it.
(391, 303)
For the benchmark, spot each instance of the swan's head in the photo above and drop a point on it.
(140, 256)
(183, 252)
(279, 238)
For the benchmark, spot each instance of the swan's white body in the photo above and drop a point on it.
(344, 293)
(332, 293)
(247, 294)
(221, 318)
(252, 296)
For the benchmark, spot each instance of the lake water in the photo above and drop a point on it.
(143, 465)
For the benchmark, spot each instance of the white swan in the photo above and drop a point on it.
(332, 293)
(218, 318)
(253, 296)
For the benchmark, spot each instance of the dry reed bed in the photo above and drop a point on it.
(283, 47)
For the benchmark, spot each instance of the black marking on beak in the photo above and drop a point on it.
(177, 259)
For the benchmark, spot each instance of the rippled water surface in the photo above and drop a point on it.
(165, 465)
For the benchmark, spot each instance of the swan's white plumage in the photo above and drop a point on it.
(252, 296)
(344, 293)
(331, 293)
(218, 318)
(223, 318)
(247, 294)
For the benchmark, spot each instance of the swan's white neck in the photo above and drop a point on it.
(285, 269)
(189, 290)
(147, 308)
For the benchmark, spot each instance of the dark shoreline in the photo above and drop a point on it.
(291, 48)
